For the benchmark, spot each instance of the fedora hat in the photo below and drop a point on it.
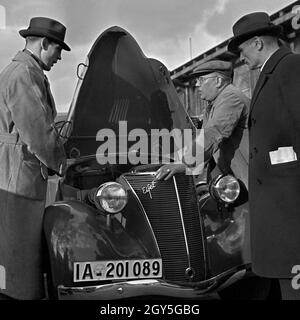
(250, 25)
(220, 66)
(46, 27)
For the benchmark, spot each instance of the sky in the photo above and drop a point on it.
(171, 31)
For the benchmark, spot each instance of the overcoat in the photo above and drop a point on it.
(219, 143)
(224, 124)
(274, 189)
(29, 144)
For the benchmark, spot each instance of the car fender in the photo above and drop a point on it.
(76, 232)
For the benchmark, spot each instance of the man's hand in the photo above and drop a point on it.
(168, 170)
(62, 168)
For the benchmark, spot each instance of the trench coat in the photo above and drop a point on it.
(29, 145)
(219, 143)
(224, 124)
(274, 189)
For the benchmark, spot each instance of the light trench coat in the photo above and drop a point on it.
(29, 145)
(224, 127)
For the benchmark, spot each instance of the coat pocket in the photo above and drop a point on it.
(284, 170)
(290, 164)
(26, 177)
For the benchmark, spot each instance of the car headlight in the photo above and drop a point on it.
(225, 188)
(111, 197)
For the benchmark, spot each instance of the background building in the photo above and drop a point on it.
(288, 18)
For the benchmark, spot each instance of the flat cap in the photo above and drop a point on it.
(220, 66)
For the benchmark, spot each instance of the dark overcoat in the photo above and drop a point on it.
(29, 144)
(274, 189)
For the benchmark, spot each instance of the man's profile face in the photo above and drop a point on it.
(207, 86)
(249, 53)
(51, 53)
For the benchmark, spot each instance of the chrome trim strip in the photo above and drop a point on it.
(182, 222)
(144, 287)
(148, 173)
(143, 209)
(204, 197)
(204, 239)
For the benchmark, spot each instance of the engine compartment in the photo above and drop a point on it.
(87, 173)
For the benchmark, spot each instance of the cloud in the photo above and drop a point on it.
(19, 12)
(10, 43)
(173, 48)
(163, 17)
(162, 28)
(220, 22)
(166, 42)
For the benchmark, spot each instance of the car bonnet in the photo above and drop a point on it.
(119, 83)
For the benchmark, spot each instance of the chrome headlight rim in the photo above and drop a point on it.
(98, 197)
(216, 192)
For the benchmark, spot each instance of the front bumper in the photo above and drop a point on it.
(151, 287)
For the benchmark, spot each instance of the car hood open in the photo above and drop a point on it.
(119, 83)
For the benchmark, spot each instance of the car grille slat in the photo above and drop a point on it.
(179, 236)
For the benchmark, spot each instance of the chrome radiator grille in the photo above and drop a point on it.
(171, 208)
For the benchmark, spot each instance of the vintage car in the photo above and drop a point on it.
(112, 231)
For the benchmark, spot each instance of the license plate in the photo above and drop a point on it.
(117, 269)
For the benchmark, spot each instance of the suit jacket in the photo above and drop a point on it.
(274, 190)
(224, 125)
(29, 144)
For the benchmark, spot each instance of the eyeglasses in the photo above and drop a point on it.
(201, 80)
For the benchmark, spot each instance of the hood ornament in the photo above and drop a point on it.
(148, 188)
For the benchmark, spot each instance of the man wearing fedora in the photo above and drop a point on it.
(30, 145)
(224, 119)
(274, 148)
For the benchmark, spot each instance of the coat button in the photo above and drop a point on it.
(253, 120)
(259, 181)
(250, 155)
(255, 150)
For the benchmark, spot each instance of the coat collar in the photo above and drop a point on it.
(38, 60)
(267, 70)
(26, 57)
(274, 59)
(209, 110)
